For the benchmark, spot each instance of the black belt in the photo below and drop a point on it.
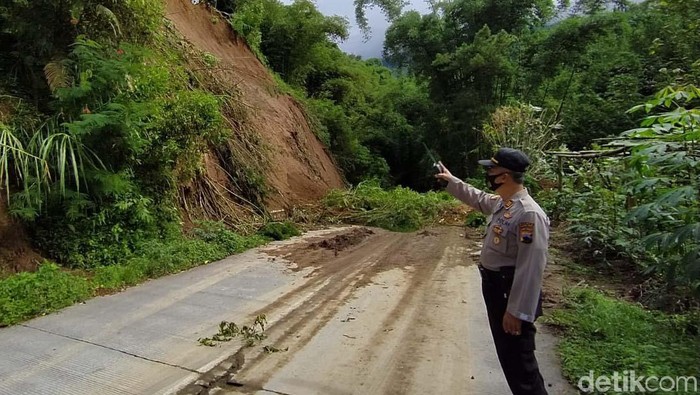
(502, 269)
(503, 273)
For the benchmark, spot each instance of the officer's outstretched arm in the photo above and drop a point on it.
(533, 239)
(476, 198)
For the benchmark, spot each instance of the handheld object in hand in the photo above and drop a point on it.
(436, 165)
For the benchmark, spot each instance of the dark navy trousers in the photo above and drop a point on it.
(516, 353)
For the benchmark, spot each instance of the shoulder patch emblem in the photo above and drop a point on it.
(526, 232)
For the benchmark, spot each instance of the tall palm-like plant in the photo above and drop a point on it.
(17, 164)
(50, 159)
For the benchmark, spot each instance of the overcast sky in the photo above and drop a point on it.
(355, 43)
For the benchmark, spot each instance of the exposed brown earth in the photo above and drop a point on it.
(16, 253)
(300, 168)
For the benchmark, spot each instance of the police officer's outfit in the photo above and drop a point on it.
(512, 262)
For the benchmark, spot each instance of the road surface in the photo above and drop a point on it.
(358, 311)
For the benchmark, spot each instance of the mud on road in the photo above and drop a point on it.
(377, 312)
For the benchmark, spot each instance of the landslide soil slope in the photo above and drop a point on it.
(300, 168)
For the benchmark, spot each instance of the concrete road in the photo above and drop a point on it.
(359, 312)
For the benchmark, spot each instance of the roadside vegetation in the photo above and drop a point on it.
(605, 335)
(50, 288)
(398, 209)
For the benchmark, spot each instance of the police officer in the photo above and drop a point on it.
(512, 262)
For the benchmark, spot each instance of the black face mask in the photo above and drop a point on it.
(491, 181)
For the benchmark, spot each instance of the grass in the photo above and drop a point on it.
(27, 295)
(398, 209)
(606, 335)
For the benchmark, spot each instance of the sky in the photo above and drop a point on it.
(355, 44)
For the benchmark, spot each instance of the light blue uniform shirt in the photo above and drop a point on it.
(517, 235)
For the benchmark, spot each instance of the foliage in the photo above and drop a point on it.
(525, 127)
(588, 70)
(666, 184)
(475, 219)
(595, 210)
(229, 330)
(467, 54)
(398, 209)
(607, 335)
(472, 81)
(26, 295)
(643, 209)
(279, 230)
(231, 242)
(45, 160)
(593, 6)
(391, 8)
(127, 135)
(154, 258)
(246, 19)
(41, 32)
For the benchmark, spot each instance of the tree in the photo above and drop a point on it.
(590, 7)
(40, 32)
(391, 8)
(413, 41)
(296, 39)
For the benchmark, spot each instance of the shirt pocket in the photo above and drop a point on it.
(498, 241)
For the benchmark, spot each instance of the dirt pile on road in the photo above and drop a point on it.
(343, 241)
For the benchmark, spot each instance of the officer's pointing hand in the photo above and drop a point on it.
(444, 173)
(511, 324)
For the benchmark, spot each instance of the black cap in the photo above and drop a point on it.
(508, 158)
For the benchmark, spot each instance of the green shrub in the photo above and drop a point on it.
(231, 242)
(279, 230)
(118, 276)
(25, 295)
(129, 131)
(398, 209)
(154, 258)
(161, 257)
(475, 219)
